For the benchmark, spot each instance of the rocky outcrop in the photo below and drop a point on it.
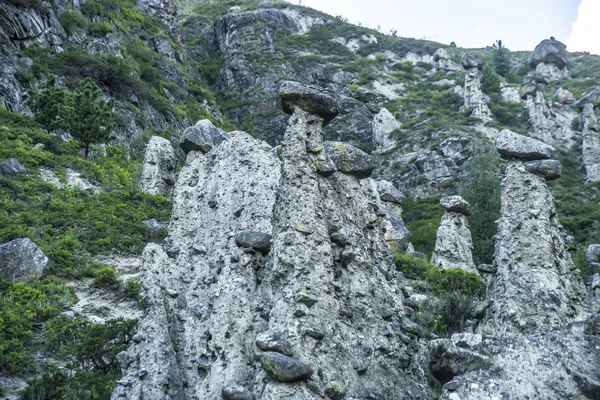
(310, 99)
(510, 144)
(324, 290)
(158, 170)
(21, 260)
(384, 124)
(551, 123)
(202, 137)
(535, 300)
(12, 167)
(474, 98)
(453, 246)
(591, 142)
(549, 52)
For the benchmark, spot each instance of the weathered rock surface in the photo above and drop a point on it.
(591, 142)
(549, 51)
(563, 96)
(384, 124)
(470, 60)
(592, 98)
(21, 260)
(235, 391)
(453, 245)
(548, 169)
(12, 167)
(350, 159)
(511, 144)
(447, 360)
(474, 98)
(260, 241)
(324, 103)
(158, 170)
(202, 137)
(551, 123)
(203, 338)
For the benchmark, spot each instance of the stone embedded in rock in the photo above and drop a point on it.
(588, 386)
(325, 167)
(153, 225)
(158, 170)
(549, 51)
(487, 268)
(593, 253)
(305, 298)
(591, 98)
(467, 340)
(548, 169)
(563, 96)
(12, 167)
(415, 300)
(456, 204)
(313, 100)
(350, 159)
(446, 360)
(235, 391)
(202, 137)
(470, 60)
(440, 54)
(21, 260)
(388, 192)
(336, 390)
(511, 144)
(285, 369)
(411, 326)
(273, 341)
(260, 241)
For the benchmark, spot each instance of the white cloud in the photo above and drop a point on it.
(586, 29)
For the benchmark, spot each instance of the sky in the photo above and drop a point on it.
(520, 24)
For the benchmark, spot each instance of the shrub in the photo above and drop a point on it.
(106, 277)
(71, 20)
(422, 219)
(447, 313)
(100, 29)
(490, 81)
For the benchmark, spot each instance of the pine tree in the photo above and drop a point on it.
(49, 105)
(490, 81)
(501, 61)
(90, 118)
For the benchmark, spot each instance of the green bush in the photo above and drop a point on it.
(99, 29)
(71, 21)
(447, 313)
(422, 219)
(106, 277)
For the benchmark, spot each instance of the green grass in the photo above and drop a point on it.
(422, 219)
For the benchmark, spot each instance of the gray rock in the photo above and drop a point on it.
(592, 98)
(588, 386)
(285, 369)
(593, 253)
(305, 298)
(153, 225)
(467, 340)
(325, 167)
(388, 192)
(336, 390)
(549, 51)
(202, 137)
(313, 100)
(456, 204)
(487, 268)
(446, 360)
(12, 167)
(158, 170)
(410, 326)
(273, 341)
(260, 241)
(235, 391)
(453, 244)
(384, 123)
(349, 159)
(415, 300)
(21, 260)
(440, 54)
(548, 169)
(511, 144)
(563, 96)
(470, 60)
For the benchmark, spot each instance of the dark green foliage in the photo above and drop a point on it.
(100, 29)
(71, 20)
(90, 118)
(482, 190)
(422, 219)
(58, 384)
(513, 116)
(447, 313)
(490, 81)
(22, 306)
(34, 4)
(501, 60)
(106, 277)
(50, 105)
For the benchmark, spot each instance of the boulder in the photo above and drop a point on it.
(590, 98)
(563, 96)
(549, 51)
(12, 167)
(158, 170)
(470, 60)
(548, 169)
(21, 260)
(235, 391)
(588, 386)
(153, 225)
(441, 54)
(285, 369)
(384, 123)
(273, 341)
(388, 192)
(336, 390)
(593, 253)
(446, 360)
(511, 144)
(202, 137)
(453, 244)
(456, 204)
(260, 241)
(350, 159)
(313, 100)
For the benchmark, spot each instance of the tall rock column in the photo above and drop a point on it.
(591, 142)
(453, 245)
(158, 170)
(474, 98)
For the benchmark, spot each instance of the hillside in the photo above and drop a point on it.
(142, 252)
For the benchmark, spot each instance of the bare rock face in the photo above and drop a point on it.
(384, 124)
(591, 142)
(551, 123)
(158, 170)
(21, 260)
(202, 137)
(454, 246)
(474, 98)
(324, 292)
(535, 305)
(549, 51)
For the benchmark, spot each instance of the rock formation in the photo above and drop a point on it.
(158, 170)
(535, 318)
(453, 244)
(12, 167)
(474, 98)
(384, 124)
(591, 142)
(303, 317)
(549, 59)
(21, 260)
